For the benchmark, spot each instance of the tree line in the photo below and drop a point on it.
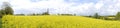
(114, 17)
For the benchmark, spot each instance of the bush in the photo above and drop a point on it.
(0, 16)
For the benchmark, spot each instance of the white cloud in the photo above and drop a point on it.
(98, 5)
(26, 4)
(104, 7)
(111, 7)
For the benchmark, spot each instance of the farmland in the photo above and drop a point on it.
(56, 22)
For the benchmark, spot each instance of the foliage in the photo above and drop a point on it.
(96, 16)
(6, 9)
(1, 13)
(46, 13)
(117, 16)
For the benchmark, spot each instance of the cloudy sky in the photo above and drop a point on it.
(82, 7)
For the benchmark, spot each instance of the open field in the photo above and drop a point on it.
(56, 22)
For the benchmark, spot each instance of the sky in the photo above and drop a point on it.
(79, 7)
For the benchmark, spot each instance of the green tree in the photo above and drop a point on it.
(46, 13)
(117, 16)
(96, 16)
(7, 9)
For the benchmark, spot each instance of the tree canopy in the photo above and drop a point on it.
(6, 9)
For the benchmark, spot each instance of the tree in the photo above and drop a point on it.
(46, 13)
(7, 9)
(117, 16)
(96, 16)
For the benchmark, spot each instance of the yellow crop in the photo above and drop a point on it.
(56, 22)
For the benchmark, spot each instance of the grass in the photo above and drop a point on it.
(56, 22)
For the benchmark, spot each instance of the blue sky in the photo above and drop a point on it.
(82, 7)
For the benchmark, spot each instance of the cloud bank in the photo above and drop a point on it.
(80, 7)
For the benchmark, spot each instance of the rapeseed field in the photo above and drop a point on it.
(56, 22)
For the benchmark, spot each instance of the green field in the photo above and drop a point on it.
(56, 22)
